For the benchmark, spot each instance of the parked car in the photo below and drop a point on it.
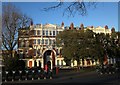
(106, 69)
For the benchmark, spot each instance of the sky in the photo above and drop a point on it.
(119, 16)
(105, 13)
(57, 0)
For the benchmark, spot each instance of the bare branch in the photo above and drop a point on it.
(54, 7)
(78, 6)
(12, 21)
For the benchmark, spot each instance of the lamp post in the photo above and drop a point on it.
(13, 75)
(6, 72)
(39, 74)
(0, 73)
(50, 74)
(33, 75)
(20, 75)
(26, 75)
(45, 74)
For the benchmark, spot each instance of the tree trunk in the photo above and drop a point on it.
(11, 54)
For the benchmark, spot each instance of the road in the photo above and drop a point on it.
(76, 77)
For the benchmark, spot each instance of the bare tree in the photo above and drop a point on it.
(0, 32)
(71, 8)
(12, 20)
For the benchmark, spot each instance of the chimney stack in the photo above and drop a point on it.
(62, 25)
(71, 26)
(113, 30)
(91, 26)
(106, 27)
(31, 23)
(81, 26)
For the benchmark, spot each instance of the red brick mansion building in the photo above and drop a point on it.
(36, 45)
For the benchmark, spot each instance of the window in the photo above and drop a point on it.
(42, 41)
(27, 43)
(46, 41)
(38, 52)
(53, 33)
(53, 41)
(22, 43)
(47, 33)
(43, 32)
(38, 41)
(57, 62)
(57, 51)
(61, 62)
(57, 32)
(35, 41)
(34, 32)
(38, 32)
(50, 41)
(50, 33)
(35, 52)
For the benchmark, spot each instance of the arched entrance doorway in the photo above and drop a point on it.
(49, 59)
(49, 65)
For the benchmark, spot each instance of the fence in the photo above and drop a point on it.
(25, 75)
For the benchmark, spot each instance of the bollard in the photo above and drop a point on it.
(39, 74)
(109, 72)
(101, 73)
(44, 77)
(0, 73)
(33, 75)
(6, 72)
(26, 75)
(13, 75)
(50, 77)
(20, 75)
